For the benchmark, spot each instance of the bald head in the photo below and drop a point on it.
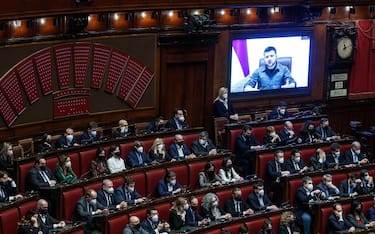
(134, 222)
(42, 204)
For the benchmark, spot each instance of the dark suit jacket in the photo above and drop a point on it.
(331, 160)
(153, 128)
(133, 159)
(230, 208)
(353, 221)
(192, 217)
(148, 226)
(159, 157)
(300, 199)
(221, 111)
(284, 230)
(371, 213)
(308, 137)
(101, 198)
(35, 180)
(87, 138)
(348, 157)
(82, 212)
(173, 152)
(120, 195)
(274, 114)
(243, 145)
(8, 191)
(328, 132)
(50, 221)
(267, 140)
(286, 138)
(208, 212)
(63, 143)
(317, 165)
(175, 221)
(334, 225)
(289, 165)
(198, 149)
(163, 188)
(328, 191)
(344, 189)
(171, 124)
(253, 201)
(117, 133)
(272, 174)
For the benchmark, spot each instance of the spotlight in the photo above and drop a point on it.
(222, 12)
(170, 13)
(42, 21)
(143, 14)
(352, 10)
(115, 16)
(275, 9)
(248, 11)
(332, 10)
(16, 23)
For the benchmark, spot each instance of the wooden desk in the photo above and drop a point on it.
(69, 228)
(18, 203)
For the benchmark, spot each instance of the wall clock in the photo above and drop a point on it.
(341, 45)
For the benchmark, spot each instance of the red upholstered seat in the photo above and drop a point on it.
(152, 179)
(194, 169)
(116, 225)
(259, 133)
(224, 195)
(125, 149)
(52, 163)
(293, 185)
(23, 208)
(140, 182)
(22, 171)
(74, 158)
(366, 205)
(246, 190)
(217, 163)
(141, 214)
(255, 225)
(8, 221)
(190, 138)
(214, 232)
(85, 159)
(326, 212)
(147, 144)
(168, 141)
(337, 178)
(163, 210)
(306, 155)
(181, 173)
(275, 223)
(95, 186)
(232, 135)
(117, 181)
(70, 199)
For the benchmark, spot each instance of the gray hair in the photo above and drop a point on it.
(206, 201)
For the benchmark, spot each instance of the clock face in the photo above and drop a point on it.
(344, 47)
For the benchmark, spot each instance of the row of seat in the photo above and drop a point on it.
(10, 218)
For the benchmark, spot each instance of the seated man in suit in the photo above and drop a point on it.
(325, 132)
(288, 136)
(303, 196)
(351, 187)
(245, 148)
(319, 161)
(152, 224)
(40, 175)
(236, 206)
(67, 140)
(8, 188)
(137, 157)
(367, 181)
(337, 222)
(91, 135)
(295, 163)
(204, 145)
(122, 130)
(105, 196)
(280, 112)
(157, 125)
(334, 158)
(126, 193)
(276, 169)
(178, 122)
(179, 150)
(169, 185)
(329, 190)
(354, 156)
(193, 218)
(258, 200)
(45, 219)
(134, 226)
(87, 207)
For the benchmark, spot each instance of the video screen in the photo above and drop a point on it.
(271, 64)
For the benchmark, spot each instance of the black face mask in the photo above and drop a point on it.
(180, 143)
(137, 226)
(230, 166)
(43, 211)
(43, 168)
(238, 198)
(358, 210)
(194, 207)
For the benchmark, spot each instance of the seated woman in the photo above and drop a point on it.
(30, 224)
(64, 172)
(211, 208)
(356, 217)
(208, 177)
(114, 162)
(99, 166)
(227, 173)
(177, 214)
(287, 223)
(266, 227)
(158, 151)
(318, 161)
(272, 138)
(223, 106)
(6, 156)
(307, 133)
(45, 144)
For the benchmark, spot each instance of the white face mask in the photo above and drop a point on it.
(357, 151)
(173, 182)
(69, 138)
(131, 189)
(93, 132)
(280, 160)
(181, 118)
(155, 218)
(329, 183)
(261, 193)
(93, 202)
(160, 147)
(111, 190)
(186, 206)
(310, 187)
(272, 134)
(282, 111)
(68, 164)
(202, 142)
(321, 160)
(297, 159)
(337, 154)
(124, 129)
(367, 177)
(215, 203)
(140, 149)
(225, 96)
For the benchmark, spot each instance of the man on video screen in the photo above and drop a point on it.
(270, 75)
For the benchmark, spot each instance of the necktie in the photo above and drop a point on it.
(44, 176)
(355, 158)
(2, 194)
(296, 166)
(278, 167)
(128, 195)
(238, 207)
(140, 160)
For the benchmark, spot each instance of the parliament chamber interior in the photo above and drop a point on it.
(187, 116)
